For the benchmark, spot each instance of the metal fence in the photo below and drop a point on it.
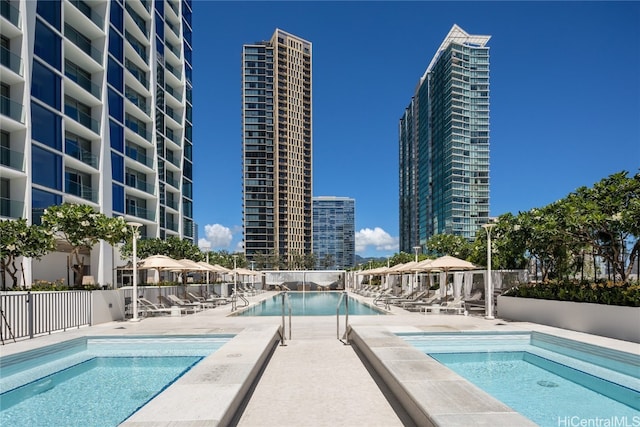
(29, 314)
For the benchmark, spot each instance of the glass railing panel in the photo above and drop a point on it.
(138, 101)
(140, 22)
(10, 12)
(11, 158)
(173, 204)
(74, 150)
(82, 118)
(84, 83)
(177, 94)
(83, 191)
(140, 49)
(11, 109)
(86, 10)
(11, 60)
(137, 128)
(11, 208)
(139, 75)
(83, 44)
(140, 212)
(138, 157)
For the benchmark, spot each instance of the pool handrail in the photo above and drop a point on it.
(346, 320)
(285, 296)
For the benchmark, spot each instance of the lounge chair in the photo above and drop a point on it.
(216, 299)
(421, 302)
(147, 308)
(456, 306)
(172, 301)
(193, 298)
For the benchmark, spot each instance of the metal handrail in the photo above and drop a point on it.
(346, 321)
(285, 296)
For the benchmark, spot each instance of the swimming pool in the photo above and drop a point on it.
(550, 380)
(95, 381)
(310, 304)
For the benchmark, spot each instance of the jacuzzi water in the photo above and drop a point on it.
(95, 381)
(550, 380)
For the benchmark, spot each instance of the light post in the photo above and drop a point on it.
(415, 276)
(488, 300)
(206, 248)
(134, 300)
(253, 277)
(235, 277)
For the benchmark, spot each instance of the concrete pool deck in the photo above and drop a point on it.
(315, 379)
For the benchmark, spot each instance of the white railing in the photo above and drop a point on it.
(29, 314)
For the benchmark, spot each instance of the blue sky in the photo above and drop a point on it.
(565, 99)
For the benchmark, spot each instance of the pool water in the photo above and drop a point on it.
(550, 380)
(67, 398)
(545, 391)
(94, 381)
(310, 304)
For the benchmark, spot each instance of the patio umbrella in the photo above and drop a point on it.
(449, 263)
(160, 262)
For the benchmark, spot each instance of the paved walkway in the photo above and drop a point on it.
(316, 380)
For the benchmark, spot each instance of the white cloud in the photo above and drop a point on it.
(217, 235)
(378, 238)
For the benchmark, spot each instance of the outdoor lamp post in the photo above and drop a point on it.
(235, 277)
(206, 248)
(134, 300)
(416, 249)
(488, 300)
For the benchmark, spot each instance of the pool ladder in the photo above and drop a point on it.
(345, 338)
(285, 298)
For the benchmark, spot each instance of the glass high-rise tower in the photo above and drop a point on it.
(96, 109)
(444, 144)
(334, 232)
(277, 147)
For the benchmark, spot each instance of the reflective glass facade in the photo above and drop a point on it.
(334, 232)
(444, 145)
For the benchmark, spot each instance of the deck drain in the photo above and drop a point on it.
(549, 384)
(234, 355)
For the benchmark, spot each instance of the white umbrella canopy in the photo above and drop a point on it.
(220, 269)
(190, 265)
(160, 262)
(207, 266)
(449, 263)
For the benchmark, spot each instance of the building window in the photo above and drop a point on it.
(47, 45)
(47, 168)
(45, 85)
(117, 167)
(49, 11)
(115, 105)
(117, 197)
(115, 75)
(116, 136)
(115, 44)
(46, 126)
(40, 200)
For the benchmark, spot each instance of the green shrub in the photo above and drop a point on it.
(609, 293)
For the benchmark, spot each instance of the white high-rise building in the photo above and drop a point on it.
(96, 109)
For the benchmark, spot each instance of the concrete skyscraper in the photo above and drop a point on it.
(334, 232)
(444, 144)
(96, 109)
(277, 147)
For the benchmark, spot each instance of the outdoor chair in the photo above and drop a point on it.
(174, 301)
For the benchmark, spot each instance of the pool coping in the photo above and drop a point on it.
(212, 391)
(432, 394)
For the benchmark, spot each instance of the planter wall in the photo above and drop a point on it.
(611, 321)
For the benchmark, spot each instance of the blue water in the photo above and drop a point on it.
(102, 391)
(95, 381)
(550, 380)
(309, 304)
(541, 390)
